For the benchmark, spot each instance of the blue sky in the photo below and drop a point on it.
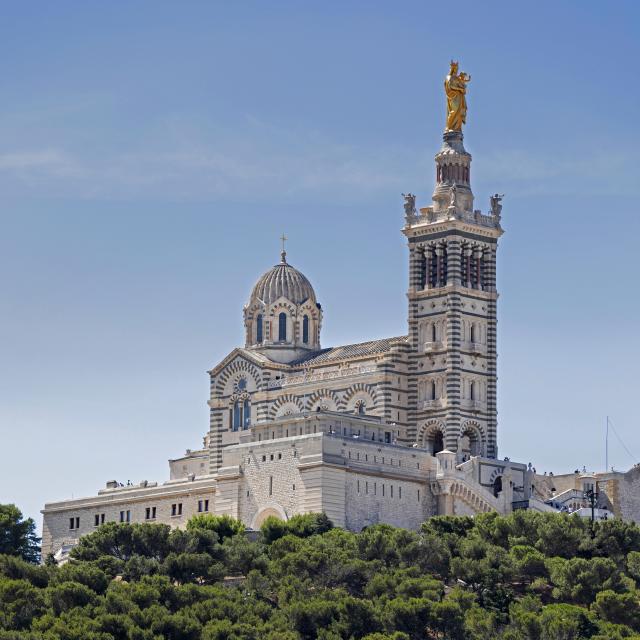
(151, 154)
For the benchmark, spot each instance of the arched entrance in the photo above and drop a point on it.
(437, 443)
(431, 437)
(497, 486)
(470, 442)
(274, 510)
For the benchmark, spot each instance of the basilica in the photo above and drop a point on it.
(393, 430)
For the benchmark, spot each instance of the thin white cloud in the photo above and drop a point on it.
(255, 160)
(48, 159)
(590, 171)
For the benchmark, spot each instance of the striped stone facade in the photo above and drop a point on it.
(453, 313)
(392, 430)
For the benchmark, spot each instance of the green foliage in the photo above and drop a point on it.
(302, 526)
(273, 529)
(619, 608)
(18, 536)
(18, 569)
(224, 526)
(578, 580)
(527, 576)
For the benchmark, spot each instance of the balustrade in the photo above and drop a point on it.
(315, 377)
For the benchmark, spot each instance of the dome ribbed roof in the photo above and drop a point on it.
(283, 280)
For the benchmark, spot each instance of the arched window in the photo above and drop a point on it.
(282, 326)
(433, 390)
(259, 328)
(237, 420)
(437, 443)
(305, 330)
(361, 407)
(434, 332)
(472, 391)
(472, 333)
(433, 268)
(246, 418)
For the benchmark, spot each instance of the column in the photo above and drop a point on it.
(478, 260)
(492, 410)
(454, 260)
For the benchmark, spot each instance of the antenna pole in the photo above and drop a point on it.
(606, 448)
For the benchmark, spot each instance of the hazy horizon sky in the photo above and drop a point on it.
(152, 153)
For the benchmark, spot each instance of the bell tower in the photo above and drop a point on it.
(453, 301)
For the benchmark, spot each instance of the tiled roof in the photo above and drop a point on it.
(359, 350)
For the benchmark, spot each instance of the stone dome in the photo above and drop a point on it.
(283, 280)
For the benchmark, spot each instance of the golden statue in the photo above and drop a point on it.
(455, 86)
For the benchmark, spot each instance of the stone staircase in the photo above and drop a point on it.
(455, 482)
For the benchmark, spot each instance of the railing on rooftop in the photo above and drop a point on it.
(429, 215)
(305, 377)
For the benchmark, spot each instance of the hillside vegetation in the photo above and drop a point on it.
(527, 576)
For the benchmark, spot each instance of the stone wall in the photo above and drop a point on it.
(355, 482)
(192, 463)
(135, 500)
(623, 492)
(371, 499)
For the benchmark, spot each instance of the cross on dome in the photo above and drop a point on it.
(283, 253)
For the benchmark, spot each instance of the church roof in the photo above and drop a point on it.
(283, 281)
(323, 356)
(347, 351)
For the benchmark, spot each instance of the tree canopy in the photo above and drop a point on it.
(17, 535)
(526, 576)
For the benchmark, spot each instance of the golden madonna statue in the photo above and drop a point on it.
(455, 86)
